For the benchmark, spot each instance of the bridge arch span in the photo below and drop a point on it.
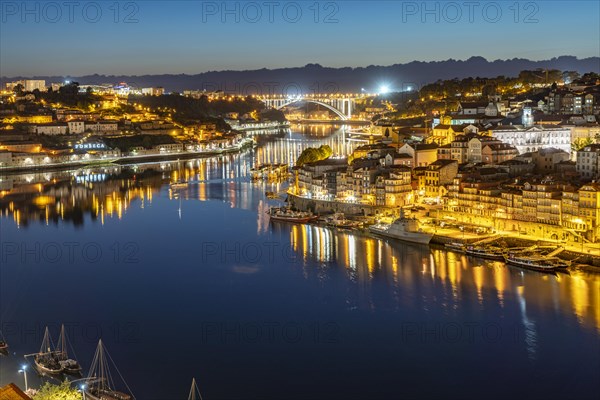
(335, 110)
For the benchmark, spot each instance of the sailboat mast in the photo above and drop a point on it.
(101, 364)
(192, 395)
(63, 340)
(193, 390)
(46, 342)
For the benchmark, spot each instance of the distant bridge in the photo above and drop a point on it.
(341, 105)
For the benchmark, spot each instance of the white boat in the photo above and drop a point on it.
(100, 384)
(405, 229)
(537, 263)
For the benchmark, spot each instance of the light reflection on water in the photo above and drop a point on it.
(363, 274)
(366, 258)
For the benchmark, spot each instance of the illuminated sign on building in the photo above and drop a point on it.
(89, 146)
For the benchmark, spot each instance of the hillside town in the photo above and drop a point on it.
(527, 167)
(71, 124)
(525, 162)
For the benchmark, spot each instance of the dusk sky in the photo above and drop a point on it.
(193, 36)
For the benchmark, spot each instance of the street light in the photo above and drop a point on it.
(24, 371)
(82, 387)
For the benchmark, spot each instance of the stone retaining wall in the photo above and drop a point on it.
(325, 207)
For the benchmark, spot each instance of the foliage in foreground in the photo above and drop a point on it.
(64, 391)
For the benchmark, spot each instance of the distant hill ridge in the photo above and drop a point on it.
(314, 78)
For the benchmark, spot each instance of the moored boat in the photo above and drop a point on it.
(47, 360)
(3, 347)
(487, 252)
(3, 344)
(339, 220)
(100, 385)
(287, 215)
(48, 363)
(69, 365)
(179, 185)
(455, 246)
(537, 263)
(405, 229)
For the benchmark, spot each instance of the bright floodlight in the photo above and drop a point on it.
(383, 89)
(24, 367)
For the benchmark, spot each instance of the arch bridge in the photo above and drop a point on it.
(343, 107)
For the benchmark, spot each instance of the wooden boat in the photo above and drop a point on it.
(487, 252)
(537, 263)
(47, 360)
(455, 246)
(287, 215)
(338, 220)
(179, 185)
(3, 344)
(69, 365)
(3, 347)
(100, 385)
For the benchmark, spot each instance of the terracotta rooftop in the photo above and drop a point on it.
(12, 392)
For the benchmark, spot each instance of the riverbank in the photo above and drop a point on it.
(588, 254)
(261, 126)
(127, 160)
(330, 122)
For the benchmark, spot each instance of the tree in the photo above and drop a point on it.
(580, 143)
(18, 89)
(64, 391)
(312, 154)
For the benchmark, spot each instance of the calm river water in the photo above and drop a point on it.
(198, 283)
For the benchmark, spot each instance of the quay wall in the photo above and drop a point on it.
(529, 233)
(326, 206)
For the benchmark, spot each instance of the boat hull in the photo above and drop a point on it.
(301, 220)
(487, 256)
(410, 237)
(72, 369)
(106, 395)
(534, 267)
(455, 248)
(179, 186)
(46, 370)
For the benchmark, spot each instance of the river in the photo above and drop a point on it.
(198, 283)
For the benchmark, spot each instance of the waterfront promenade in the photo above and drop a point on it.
(129, 159)
(584, 252)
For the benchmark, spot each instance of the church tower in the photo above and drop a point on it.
(527, 119)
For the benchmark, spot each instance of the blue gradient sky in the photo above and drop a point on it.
(177, 37)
